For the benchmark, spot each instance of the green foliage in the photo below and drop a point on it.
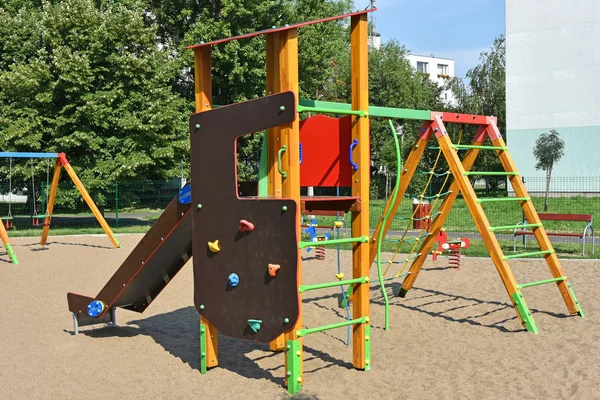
(549, 149)
(89, 81)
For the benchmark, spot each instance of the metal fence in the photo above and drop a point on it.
(134, 206)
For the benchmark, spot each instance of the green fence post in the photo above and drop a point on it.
(116, 204)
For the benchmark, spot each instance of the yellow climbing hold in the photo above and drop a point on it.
(214, 246)
(338, 224)
(340, 276)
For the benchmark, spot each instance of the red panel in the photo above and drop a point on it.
(325, 150)
(463, 118)
(280, 29)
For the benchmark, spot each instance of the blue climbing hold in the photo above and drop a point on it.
(233, 280)
(95, 308)
(185, 195)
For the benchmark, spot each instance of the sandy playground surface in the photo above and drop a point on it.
(455, 336)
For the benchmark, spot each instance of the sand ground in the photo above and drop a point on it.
(454, 336)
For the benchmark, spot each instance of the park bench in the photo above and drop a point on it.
(587, 231)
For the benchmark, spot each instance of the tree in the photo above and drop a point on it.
(484, 92)
(549, 149)
(86, 78)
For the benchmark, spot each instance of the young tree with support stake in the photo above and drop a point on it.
(549, 149)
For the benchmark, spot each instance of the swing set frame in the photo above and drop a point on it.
(61, 162)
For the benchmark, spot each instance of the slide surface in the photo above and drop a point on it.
(157, 258)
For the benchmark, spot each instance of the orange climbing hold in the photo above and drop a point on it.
(246, 226)
(273, 268)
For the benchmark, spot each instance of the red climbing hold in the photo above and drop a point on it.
(273, 268)
(246, 226)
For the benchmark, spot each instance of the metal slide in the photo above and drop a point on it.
(157, 258)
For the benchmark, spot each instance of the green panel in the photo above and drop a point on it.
(306, 288)
(575, 298)
(263, 170)
(524, 312)
(543, 282)
(294, 365)
(367, 347)
(203, 337)
(374, 111)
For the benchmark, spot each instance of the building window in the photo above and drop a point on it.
(442, 69)
(422, 67)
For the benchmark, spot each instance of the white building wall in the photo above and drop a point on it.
(437, 74)
(552, 81)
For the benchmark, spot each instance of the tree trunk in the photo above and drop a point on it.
(548, 176)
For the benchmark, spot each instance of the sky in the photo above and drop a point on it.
(456, 29)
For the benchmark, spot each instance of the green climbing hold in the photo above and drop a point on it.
(282, 108)
(254, 324)
(284, 208)
(197, 126)
(286, 321)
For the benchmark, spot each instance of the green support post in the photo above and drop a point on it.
(367, 347)
(203, 349)
(524, 312)
(575, 298)
(11, 254)
(116, 204)
(263, 170)
(360, 113)
(294, 363)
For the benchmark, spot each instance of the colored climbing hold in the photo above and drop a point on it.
(284, 208)
(246, 226)
(286, 320)
(95, 308)
(338, 224)
(214, 246)
(233, 280)
(282, 108)
(273, 268)
(254, 324)
(340, 276)
(197, 126)
(199, 206)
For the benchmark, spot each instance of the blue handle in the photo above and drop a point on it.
(300, 152)
(352, 146)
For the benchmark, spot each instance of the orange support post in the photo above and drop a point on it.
(360, 186)
(88, 200)
(273, 140)
(51, 199)
(287, 75)
(203, 96)
(7, 245)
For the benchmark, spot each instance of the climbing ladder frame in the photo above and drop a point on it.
(283, 172)
(461, 170)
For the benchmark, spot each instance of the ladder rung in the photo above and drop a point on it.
(40, 216)
(524, 285)
(533, 253)
(507, 227)
(494, 173)
(493, 199)
(468, 146)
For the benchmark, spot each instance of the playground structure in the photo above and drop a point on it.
(10, 198)
(247, 264)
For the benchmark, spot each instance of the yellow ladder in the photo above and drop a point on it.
(461, 171)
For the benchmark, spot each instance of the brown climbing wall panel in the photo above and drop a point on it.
(258, 296)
